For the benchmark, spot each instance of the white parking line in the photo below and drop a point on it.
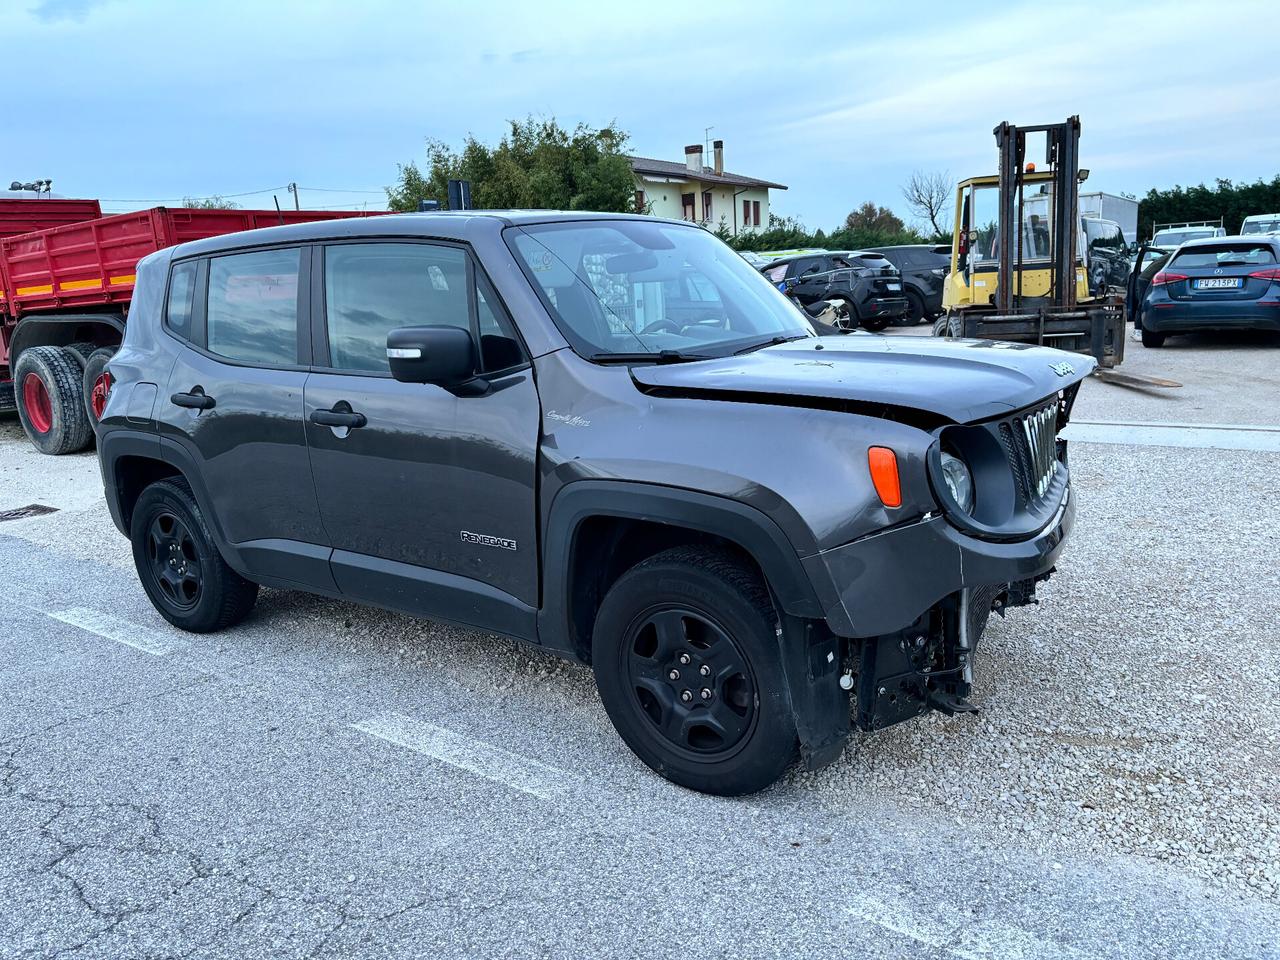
(114, 628)
(1215, 436)
(474, 756)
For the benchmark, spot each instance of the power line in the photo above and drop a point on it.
(212, 196)
(336, 190)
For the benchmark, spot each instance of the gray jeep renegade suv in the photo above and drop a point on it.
(758, 538)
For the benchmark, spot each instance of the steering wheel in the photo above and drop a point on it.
(660, 325)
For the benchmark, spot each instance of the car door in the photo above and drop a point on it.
(233, 406)
(428, 498)
(810, 274)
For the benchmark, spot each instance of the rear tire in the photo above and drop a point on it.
(1152, 339)
(875, 324)
(724, 724)
(81, 352)
(97, 383)
(915, 311)
(179, 565)
(50, 397)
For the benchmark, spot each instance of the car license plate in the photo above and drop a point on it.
(893, 286)
(1218, 283)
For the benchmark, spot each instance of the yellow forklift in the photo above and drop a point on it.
(1018, 257)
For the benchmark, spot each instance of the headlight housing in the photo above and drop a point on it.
(959, 480)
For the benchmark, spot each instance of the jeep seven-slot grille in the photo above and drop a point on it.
(1040, 430)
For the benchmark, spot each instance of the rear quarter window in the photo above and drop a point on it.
(1222, 255)
(182, 286)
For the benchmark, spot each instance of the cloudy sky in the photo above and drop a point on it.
(147, 101)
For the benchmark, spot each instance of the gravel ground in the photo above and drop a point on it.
(1127, 723)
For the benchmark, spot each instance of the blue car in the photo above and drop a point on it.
(1222, 283)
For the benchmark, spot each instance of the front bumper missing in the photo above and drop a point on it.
(881, 584)
(928, 665)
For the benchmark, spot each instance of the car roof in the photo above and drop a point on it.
(1270, 238)
(439, 225)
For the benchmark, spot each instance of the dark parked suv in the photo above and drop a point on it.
(868, 284)
(756, 537)
(923, 267)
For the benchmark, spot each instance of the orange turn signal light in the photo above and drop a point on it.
(884, 474)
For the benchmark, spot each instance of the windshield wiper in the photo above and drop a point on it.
(662, 356)
(771, 342)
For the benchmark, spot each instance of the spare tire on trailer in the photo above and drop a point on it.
(97, 383)
(51, 400)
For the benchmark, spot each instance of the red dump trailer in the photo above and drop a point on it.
(25, 215)
(64, 296)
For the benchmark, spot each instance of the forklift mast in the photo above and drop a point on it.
(1062, 155)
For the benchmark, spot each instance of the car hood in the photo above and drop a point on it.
(962, 381)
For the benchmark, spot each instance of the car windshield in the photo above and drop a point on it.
(1262, 226)
(1224, 255)
(627, 287)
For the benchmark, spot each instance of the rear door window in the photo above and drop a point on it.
(252, 313)
(1225, 255)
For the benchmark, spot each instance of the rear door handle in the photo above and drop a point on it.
(195, 400)
(338, 418)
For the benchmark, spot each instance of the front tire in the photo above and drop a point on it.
(685, 654)
(179, 565)
(51, 401)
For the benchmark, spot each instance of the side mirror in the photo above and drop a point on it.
(440, 355)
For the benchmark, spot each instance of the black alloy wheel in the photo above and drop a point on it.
(174, 561)
(691, 681)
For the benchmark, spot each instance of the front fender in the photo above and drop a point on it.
(728, 519)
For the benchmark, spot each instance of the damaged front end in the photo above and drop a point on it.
(929, 664)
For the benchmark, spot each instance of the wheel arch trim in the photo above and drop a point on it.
(57, 330)
(750, 529)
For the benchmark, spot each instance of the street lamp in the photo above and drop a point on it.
(35, 186)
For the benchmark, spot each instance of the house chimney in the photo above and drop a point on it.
(693, 159)
(717, 151)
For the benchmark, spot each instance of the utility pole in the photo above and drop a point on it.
(293, 188)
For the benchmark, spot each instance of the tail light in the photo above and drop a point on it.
(1164, 276)
(1271, 274)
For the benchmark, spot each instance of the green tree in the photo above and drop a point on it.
(536, 165)
(209, 203)
(1224, 199)
(875, 219)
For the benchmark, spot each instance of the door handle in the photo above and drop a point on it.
(338, 418)
(195, 400)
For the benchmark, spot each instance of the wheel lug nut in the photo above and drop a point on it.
(706, 693)
(684, 658)
(704, 670)
(673, 675)
(686, 695)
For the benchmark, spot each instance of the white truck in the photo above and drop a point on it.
(1110, 206)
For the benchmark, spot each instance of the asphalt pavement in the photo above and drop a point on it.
(331, 781)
